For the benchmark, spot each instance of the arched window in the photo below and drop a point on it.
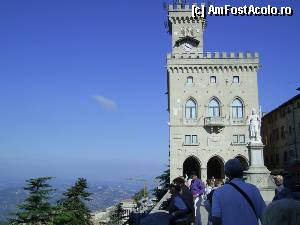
(237, 109)
(214, 108)
(190, 109)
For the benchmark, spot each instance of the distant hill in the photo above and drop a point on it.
(104, 195)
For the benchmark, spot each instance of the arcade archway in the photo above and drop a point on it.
(215, 168)
(191, 164)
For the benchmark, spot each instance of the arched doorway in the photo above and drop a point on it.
(191, 164)
(215, 168)
(243, 161)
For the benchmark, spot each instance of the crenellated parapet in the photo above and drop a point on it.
(182, 7)
(179, 7)
(232, 55)
(214, 55)
(213, 62)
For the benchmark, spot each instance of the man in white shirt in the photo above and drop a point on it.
(209, 187)
(237, 202)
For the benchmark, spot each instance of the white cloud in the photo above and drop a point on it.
(105, 102)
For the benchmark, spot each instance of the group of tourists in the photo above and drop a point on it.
(233, 202)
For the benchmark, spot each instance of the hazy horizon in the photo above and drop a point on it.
(83, 83)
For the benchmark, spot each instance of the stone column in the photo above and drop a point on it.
(256, 154)
(203, 174)
(258, 174)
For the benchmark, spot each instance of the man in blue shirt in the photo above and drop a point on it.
(197, 188)
(237, 202)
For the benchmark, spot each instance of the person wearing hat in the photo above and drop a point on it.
(236, 202)
(197, 188)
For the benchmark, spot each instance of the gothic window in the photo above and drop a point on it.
(214, 108)
(213, 79)
(189, 80)
(237, 109)
(190, 109)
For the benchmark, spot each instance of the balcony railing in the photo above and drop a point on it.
(214, 121)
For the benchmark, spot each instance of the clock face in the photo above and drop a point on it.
(187, 46)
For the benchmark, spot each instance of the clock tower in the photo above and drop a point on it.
(186, 31)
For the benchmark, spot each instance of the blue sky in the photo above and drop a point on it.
(82, 82)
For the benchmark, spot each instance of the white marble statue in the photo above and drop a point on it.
(254, 127)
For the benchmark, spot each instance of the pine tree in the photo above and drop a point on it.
(116, 215)
(140, 194)
(71, 209)
(36, 209)
(164, 180)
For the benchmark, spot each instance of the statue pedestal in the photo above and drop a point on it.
(257, 173)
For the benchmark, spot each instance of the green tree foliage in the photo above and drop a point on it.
(164, 180)
(36, 209)
(140, 194)
(116, 216)
(71, 210)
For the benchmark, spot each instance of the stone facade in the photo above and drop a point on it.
(281, 137)
(210, 98)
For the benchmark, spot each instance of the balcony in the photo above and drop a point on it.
(214, 121)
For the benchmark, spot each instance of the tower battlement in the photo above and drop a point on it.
(214, 55)
(212, 62)
(181, 7)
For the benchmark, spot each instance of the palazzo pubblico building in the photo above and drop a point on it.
(211, 96)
